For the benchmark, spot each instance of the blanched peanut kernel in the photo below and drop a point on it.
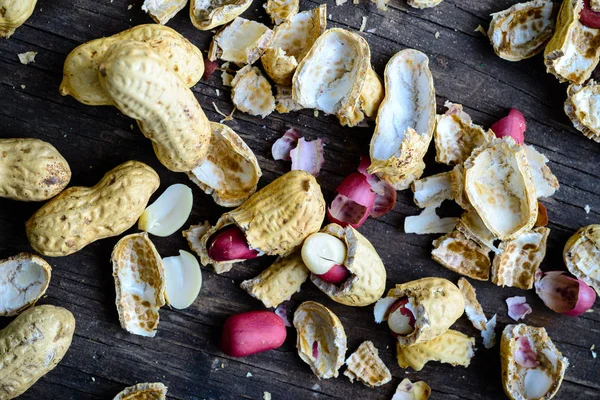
(536, 383)
(169, 212)
(321, 251)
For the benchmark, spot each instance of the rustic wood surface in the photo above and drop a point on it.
(185, 355)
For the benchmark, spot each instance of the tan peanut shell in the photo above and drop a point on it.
(408, 390)
(366, 282)
(438, 304)
(549, 357)
(581, 108)
(82, 215)
(143, 86)
(143, 391)
(241, 42)
(520, 258)
(365, 366)
(31, 170)
(31, 346)
(14, 14)
(573, 52)
(424, 3)
(582, 255)
(321, 340)
(282, 10)
(275, 220)
(471, 225)
(161, 11)
(451, 347)
(230, 172)
(139, 283)
(24, 278)
(279, 282)
(80, 72)
(433, 190)
(472, 307)
(208, 14)
(462, 255)
(251, 92)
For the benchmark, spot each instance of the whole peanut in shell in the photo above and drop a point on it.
(31, 346)
(13, 14)
(82, 215)
(143, 87)
(31, 170)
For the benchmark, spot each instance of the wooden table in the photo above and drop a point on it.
(184, 355)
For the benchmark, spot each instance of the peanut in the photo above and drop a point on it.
(31, 346)
(31, 170)
(14, 14)
(80, 73)
(143, 87)
(82, 215)
(229, 244)
(252, 332)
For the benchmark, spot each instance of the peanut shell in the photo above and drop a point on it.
(582, 255)
(282, 11)
(24, 278)
(462, 255)
(366, 366)
(581, 107)
(15, 13)
(143, 391)
(252, 93)
(206, 15)
(161, 11)
(433, 190)
(472, 307)
(546, 184)
(408, 390)
(241, 42)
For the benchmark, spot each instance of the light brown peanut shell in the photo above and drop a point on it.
(15, 13)
(164, 10)
(320, 334)
(366, 282)
(279, 282)
(275, 220)
(582, 255)
(143, 86)
(230, 172)
(80, 72)
(206, 15)
(82, 215)
(581, 108)
(549, 357)
(282, 10)
(462, 255)
(31, 346)
(451, 347)
(143, 391)
(31, 170)
(365, 366)
(24, 278)
(438, 304)
(139, 284)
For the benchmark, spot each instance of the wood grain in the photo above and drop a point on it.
(185, 355)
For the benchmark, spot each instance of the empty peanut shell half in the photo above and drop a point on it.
(143, 391)
(573, 52)
(24, 278)
(405, 120)
(274, 221)
(139, 283)
(462, 255)
(206, 15)
(366, 280)
(366, 366)
(408, 390)
(252, 93)
(279, 282)
(291, 41)
(582, 255)
(161, 11)
(451, 347)
(231, 172)
(435, 303)
(522, 30)
(241, 42)
(169, 212)
(500, 186)
(532, 367)
(321, 339)
(546, 184)
(581, 107)
(336, 77)
(282, 10)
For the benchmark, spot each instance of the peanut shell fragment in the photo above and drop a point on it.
(24, 278)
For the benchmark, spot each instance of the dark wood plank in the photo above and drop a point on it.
(185, 356)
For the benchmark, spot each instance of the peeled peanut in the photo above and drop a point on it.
(252, 332)
(144, 87)
(169, 212)
(322, 251)
(13, 14)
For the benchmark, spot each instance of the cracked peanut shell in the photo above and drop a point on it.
(24, 279)
(366, 282)
(230, 172)
(241, 42)
(281, 11)
(405, 120)
(31, 170)
(252, 93)
(139, 284)
(365, 366)
(143, 391)
(336, 77)
(161, 11)
(31, 346)
(462, 255)
(549, 357)
(500, 187)
(437, 304)
(275, 220)
(582, 255)
(81, 215)
(80, 72)
(321, 339)
(208, 14)
(583, 108)
(573, 52)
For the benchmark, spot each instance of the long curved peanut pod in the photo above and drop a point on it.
(13, 14)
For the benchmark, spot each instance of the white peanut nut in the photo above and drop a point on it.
(169, 212)
(321, 251)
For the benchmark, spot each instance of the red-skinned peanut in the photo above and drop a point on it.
(252, 332)
(229, 244)
(401, 320)
(336, 275)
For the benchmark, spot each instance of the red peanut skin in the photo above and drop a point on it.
(336, 275)
(252, 332)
